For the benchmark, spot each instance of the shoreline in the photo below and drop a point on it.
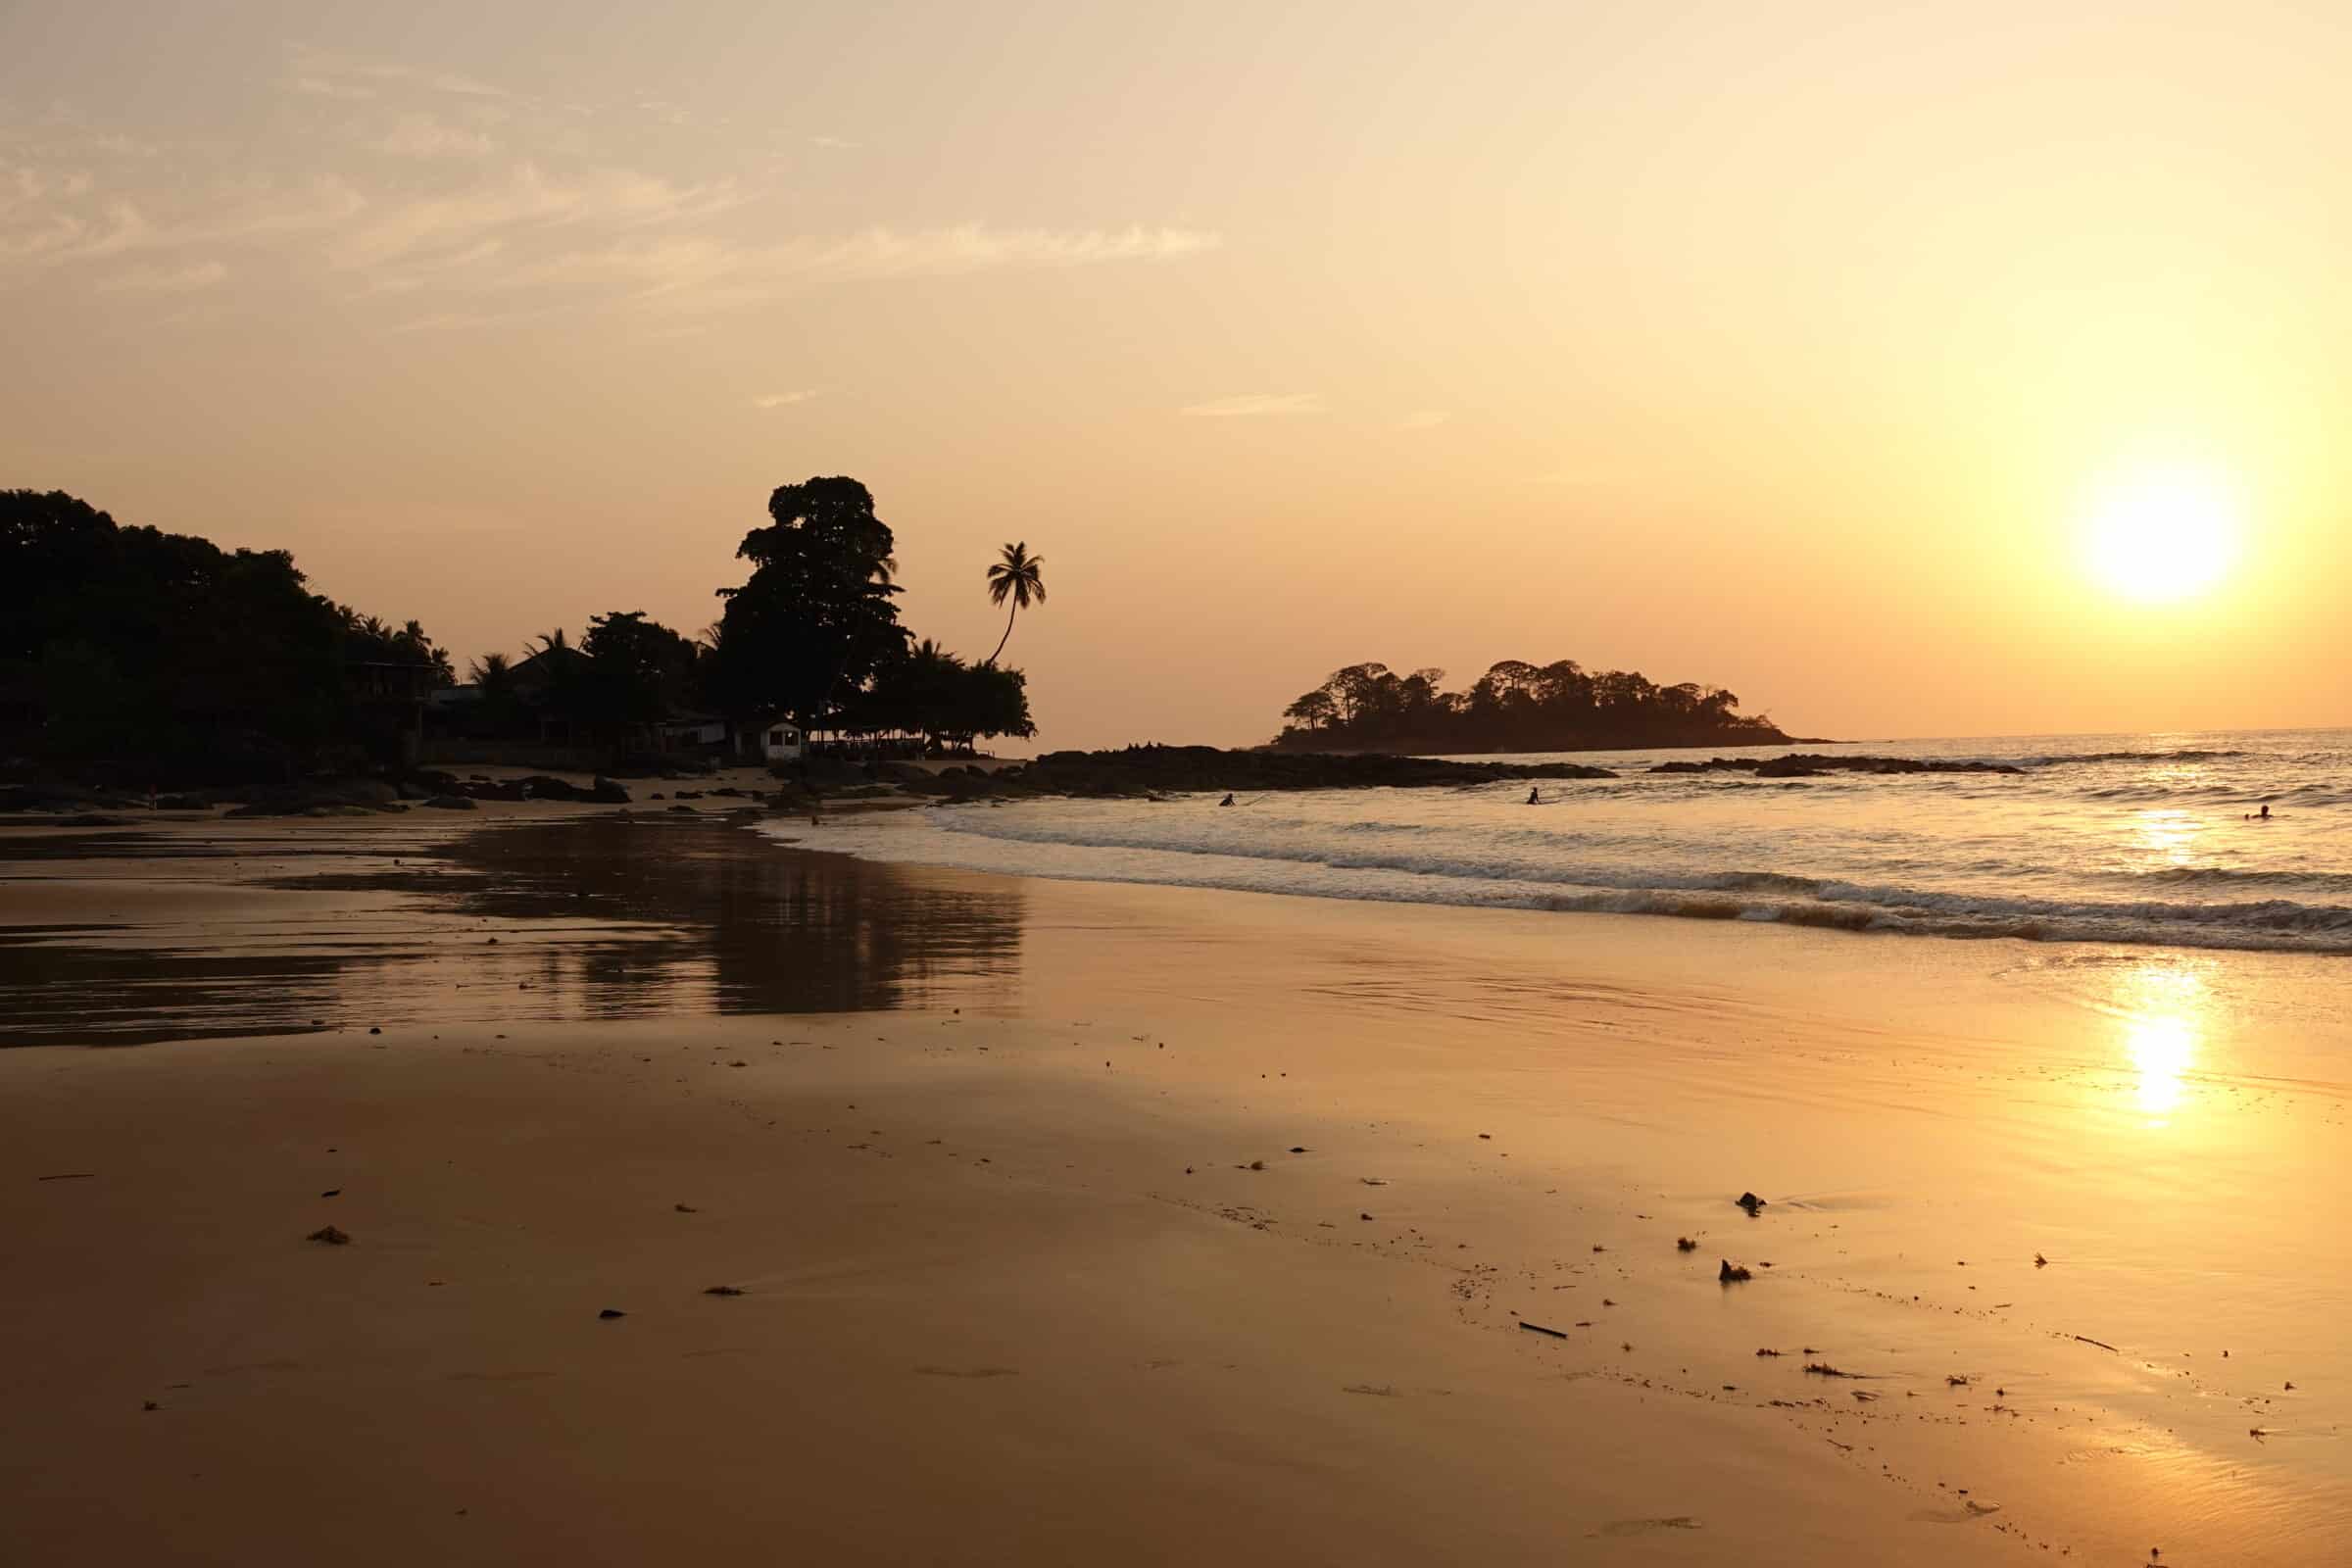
(1629, 1086)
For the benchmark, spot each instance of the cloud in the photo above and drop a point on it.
(1255, 404)
(1423, 420)
(165, 279)
(323, 87)
(50, 219)
(780, 399)
(692, 273)
(323, 73)
(424, 136)
(460, 234)
(449, 228)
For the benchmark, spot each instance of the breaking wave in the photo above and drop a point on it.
(2091, 843)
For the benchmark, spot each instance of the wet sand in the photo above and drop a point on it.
(980, 1156)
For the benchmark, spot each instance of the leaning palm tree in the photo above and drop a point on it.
(1020, 577)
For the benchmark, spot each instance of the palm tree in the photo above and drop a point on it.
(1020, 577)
(494, 674)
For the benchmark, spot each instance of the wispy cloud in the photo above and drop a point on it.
(1255, 404)
(329, 88)
(1423, 420)
(688, 272)
(450, 226)
(473, 205)
(326, 74)
(165, 279)
(418, 135)
(780, 399)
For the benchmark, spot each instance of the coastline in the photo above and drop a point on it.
(1045, 1292)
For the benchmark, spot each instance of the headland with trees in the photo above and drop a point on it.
(1515, 707)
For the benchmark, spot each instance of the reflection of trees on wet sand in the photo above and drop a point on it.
(773, 931)
(586, 918)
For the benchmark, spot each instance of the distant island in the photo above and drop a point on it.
(1515, 707)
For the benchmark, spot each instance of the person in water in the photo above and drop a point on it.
(1535, 796)
(1227, 801)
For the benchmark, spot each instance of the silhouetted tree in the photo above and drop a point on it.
(155, 653)
(813, 622)
(1515, 706)
(1019, 576)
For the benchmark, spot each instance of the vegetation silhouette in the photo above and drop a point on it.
(1019, 576)
(1515, 707)
(125, 647)
(143, 656)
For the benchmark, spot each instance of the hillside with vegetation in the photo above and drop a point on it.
(1515, 707)
(138, 657)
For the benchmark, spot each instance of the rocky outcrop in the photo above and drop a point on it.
(1812, 765)
(1142, 770)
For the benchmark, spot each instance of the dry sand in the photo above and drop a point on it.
(1014, 1285)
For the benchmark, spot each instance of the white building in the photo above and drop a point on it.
(781, 743)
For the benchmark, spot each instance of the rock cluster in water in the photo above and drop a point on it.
(1812, 765)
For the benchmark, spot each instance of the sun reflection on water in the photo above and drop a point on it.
(2162, 1008)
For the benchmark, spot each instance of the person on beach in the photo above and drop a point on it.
(1534, 797)
(1227, 801)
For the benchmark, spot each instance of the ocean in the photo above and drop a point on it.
(2138, 840)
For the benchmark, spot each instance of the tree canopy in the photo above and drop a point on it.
(816, 618)
(131, 650)
(1515, 707)
(127, 645)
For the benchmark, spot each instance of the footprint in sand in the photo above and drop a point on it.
(968, 1371)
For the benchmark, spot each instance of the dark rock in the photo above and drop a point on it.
(1812, 765)
(610, 1314)
(1732, 1273)
(329, 1235)
(1749, 1201)
(1144, 770)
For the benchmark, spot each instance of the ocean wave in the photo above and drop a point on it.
(1501, 868)
(2189, 754)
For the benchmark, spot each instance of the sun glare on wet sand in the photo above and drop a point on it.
(2160, 533)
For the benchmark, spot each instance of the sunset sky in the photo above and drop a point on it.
(1791, 347)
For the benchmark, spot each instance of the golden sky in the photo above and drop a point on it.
(1784, 346)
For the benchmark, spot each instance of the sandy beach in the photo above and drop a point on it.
(1078, 1222)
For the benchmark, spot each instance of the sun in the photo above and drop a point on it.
(2158, 532)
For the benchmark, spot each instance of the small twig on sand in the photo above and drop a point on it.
(2101, 1344)
(1538, 1327)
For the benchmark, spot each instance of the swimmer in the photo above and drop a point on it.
(1534, 797)
(1227, 801)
